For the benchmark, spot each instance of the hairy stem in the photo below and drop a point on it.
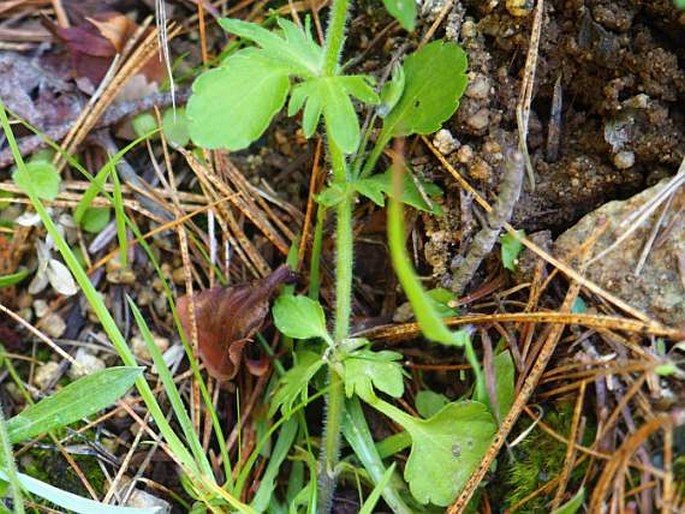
(335, 404)
(335, 36)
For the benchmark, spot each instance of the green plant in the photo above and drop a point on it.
(186, 448)
(422, 94)
(79, 399)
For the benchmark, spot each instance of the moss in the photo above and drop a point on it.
(538, 459)
(51, 467)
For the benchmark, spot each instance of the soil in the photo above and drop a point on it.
(620, 66)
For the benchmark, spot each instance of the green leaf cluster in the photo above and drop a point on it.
(233, 105)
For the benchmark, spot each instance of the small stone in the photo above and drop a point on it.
(161, 305)
(624, 159)
(124, 276)
(465, 154)
(86, 364)
(520, 7)
(24, 301)
(403, 313)
(469, 29)
(480, 120)
(139, 347)
(112, 265)
(479, 86)
(145, 297)
(40, 307)
(445, 142)
(480, 170)
(52, 324)
(46, 374)
(143, 499)
(157, 284)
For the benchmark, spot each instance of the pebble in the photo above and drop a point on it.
(480, 170)
(178, 276)
(480, 120)
(139, 347)
(445, 142)
(87, 364)
(624, 159)
(46, 374)
(469, 29)
(479, 86)
(143, 499)
(124, 276)
(465, 154)
(52, 324)
(520, 7)
(40, 307)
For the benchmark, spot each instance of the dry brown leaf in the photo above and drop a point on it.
(228, 317)
(93, 44)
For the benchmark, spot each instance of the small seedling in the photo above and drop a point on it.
(232, 106)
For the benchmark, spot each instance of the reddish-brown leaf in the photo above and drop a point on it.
(227, 318)
(92, 45)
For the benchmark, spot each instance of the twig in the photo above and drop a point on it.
(500, 213)
(523, 104)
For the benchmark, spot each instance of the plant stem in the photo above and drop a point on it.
(335, 36)
(330, 450)
(344, 250)
(335, 400)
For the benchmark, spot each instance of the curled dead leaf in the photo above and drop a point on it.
(228, 317)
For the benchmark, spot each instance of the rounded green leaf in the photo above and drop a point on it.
(232, 106)
(299, 317)
(175, 126)
(143, 124)
(446, 450)
(40, 176)
(95, 219)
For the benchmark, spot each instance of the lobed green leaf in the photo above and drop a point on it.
(410, 191)
(446, 448)
(293, 47)
(331, 96)
(294, 383)
(366, 369)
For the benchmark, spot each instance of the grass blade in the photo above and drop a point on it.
(79, 399)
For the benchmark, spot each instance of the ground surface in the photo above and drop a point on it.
(607, 121)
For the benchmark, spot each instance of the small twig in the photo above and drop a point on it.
(554, 129)
(526, 97)
(501, 213)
